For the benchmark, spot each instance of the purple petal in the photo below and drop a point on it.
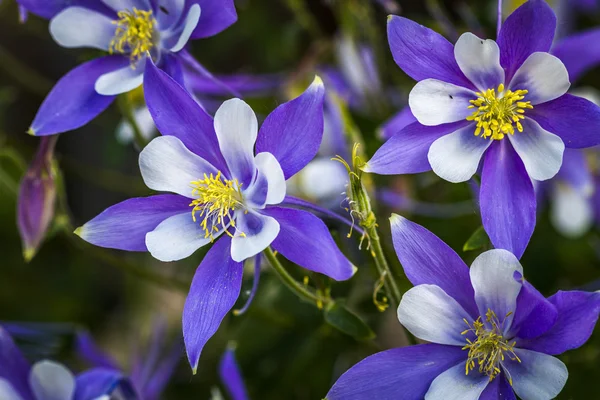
(91, 353)
(398, 122)
(577, 316)
(231, 376)
(13, 366)
(294, 130)
(176, 113)
(162, 374)
(403, 373)
(579, 52)
(302, 233)
(507, 199)
(214, 291)
(124, 226)
(529, 29)
(575, 171)
(215, 16)
(49, 8)
(406, 152)
(73, 101)
(422, 53)
(171, 64)
(222, 85)
(426, 259)
(95, 383)
(574, 119)
(195, 71)
(498, 389)
(534, 315)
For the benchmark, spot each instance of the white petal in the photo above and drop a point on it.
(236, 127)
(258, 230)
(269, 167)
(431, 314)
(322, 179)
(479, 60)
(168, 166)
(7, 392)
(544, 76)
(454, 384)
(538, 376)
(144, 121)
(51, 381)
(435, 102)
(571, 212)
(121, 5)
(121, 80)
(493, 279)
(191, 21)
(82, 27)
(455, 157)
(540, 150)
(177, 237)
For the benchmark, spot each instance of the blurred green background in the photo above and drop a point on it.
(284, 347)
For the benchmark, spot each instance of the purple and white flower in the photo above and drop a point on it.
(130, 31)
(491, 334)
(221, 192)
(48, 380)
(504, 102)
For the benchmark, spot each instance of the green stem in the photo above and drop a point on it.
(382, 265)
(128, 113)
(296, 287)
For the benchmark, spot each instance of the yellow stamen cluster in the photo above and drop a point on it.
(217, 199)
(496, 113)
(489, 348)
(134, 34)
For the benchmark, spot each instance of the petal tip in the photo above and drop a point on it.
(396, 220)
(79, 231)
(31, 131)
(28, 254)
(318, 81)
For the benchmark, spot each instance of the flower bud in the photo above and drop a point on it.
(37, 195)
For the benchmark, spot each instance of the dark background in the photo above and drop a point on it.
(285, 349)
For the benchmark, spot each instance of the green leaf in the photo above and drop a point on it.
(477, 240)
(338, 316)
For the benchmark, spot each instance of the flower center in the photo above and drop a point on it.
(496, 114)
(134, 34)
(217, 199)
(489, 348)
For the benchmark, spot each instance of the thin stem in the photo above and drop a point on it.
(127, 111)
(296, 287)
(382, 265)
(499, 17)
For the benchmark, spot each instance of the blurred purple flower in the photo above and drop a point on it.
(48, 380)
(236, 197)
(37, 196)
(470, 97)
(230, 375)
(491, 334)
(149, 374)
(129, 30)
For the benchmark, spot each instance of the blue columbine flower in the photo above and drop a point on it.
(490, 332)
(149, 374)
(231, 376)
(222, 193)
(505, 102)
(48, 380)
(129, 30)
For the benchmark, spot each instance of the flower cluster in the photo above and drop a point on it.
(499, 114)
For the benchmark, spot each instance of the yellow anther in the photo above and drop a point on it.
(489, 347)
(217, 199)
(135, 34)
(497, 111)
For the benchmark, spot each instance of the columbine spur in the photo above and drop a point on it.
(504, 102)
(222, 193)
(130, 31)
(491, 334)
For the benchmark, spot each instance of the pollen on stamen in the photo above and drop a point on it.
(217, 199)
(135, 34)
(490, 347)
(497, 112)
